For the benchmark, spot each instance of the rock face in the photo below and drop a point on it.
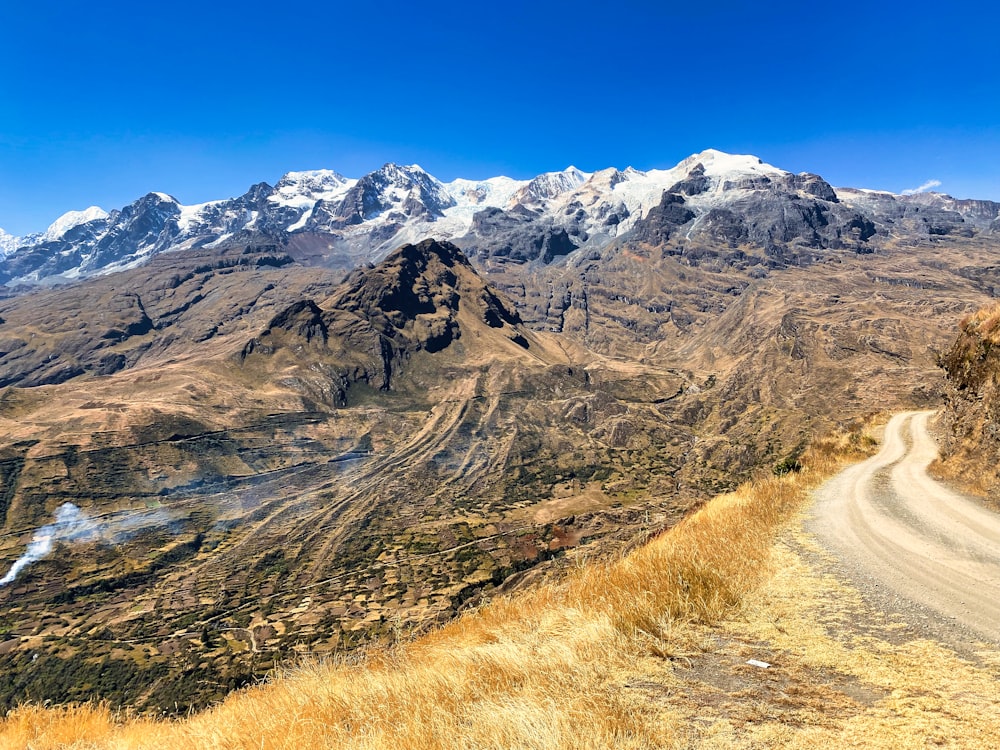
(781, 214)
(324, 218)
(665, 220)
(400, 193)
(971, 417)
(519, 235)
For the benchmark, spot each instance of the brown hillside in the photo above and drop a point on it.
(777, 351)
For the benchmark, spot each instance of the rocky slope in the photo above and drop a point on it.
(971, 418)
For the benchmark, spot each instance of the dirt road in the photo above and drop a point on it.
(904, 534)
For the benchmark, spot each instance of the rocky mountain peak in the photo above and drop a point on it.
(550, 185)
(420, 298)
(72, 219)
(156, 198)
(396, 191)
(258, 192)
(425, 280)
(149, 210)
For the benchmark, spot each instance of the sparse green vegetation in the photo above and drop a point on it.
(590, 639)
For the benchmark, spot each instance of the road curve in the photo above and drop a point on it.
(908, 534)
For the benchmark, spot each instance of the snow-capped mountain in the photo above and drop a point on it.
(550, 185)
(69, 221)
(298, 193)
(8, 243)
(322, 216)
(86, 243)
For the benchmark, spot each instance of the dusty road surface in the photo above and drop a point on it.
(899, 531)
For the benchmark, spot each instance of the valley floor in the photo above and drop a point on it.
(650, 651)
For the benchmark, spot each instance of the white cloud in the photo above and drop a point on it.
(929, 185)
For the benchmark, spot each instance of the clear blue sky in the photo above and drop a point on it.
(103, 102)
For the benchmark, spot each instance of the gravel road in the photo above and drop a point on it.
(910, 538)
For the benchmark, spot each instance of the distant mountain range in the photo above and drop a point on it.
(322, 217)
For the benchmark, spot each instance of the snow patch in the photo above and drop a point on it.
(219, 240)
(303, 189)
(720, 164)
(192, 215)
(302, 220)
(494, 192)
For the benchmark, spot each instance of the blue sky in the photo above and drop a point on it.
(103, 102)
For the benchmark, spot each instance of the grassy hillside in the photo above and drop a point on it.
(646, 651)
(559, 665)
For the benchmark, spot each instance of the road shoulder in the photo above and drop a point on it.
(844, 670)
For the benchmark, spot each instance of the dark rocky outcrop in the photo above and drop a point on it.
(779, 214)
(663, 221)
(521, 235)
(696, 182)
(379, 318)
(303, 319)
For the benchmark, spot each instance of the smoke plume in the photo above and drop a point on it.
(73, 525)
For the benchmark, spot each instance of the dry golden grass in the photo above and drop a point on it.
(985, 322)
(628, 654)
(844, 675)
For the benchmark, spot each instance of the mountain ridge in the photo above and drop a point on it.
(328, 219)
